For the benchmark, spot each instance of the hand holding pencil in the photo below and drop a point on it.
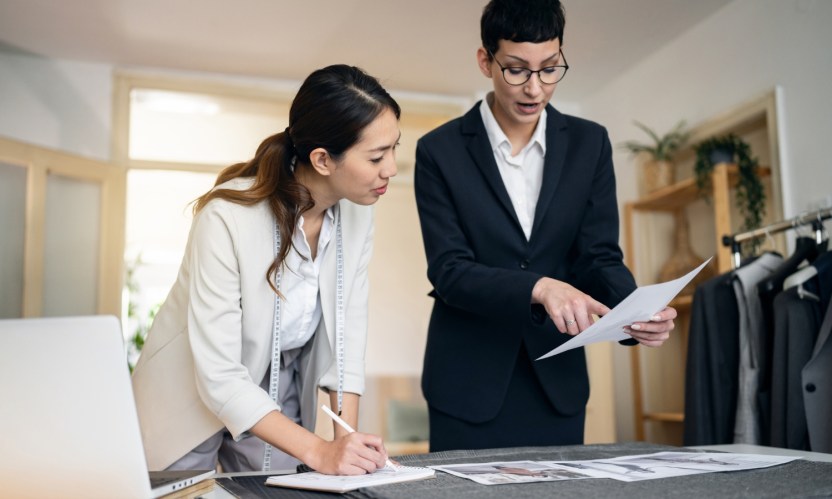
(343, 424)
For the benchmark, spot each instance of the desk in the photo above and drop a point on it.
(802, 478)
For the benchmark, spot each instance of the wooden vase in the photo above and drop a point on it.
(658, 174)
(683, 259)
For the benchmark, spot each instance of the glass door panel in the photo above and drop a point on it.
(12, 243)
(71, 249)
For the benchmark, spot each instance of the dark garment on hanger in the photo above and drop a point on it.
(805, 249)
(712, 364)
(796, 324)
(817, 388)
(823, 279)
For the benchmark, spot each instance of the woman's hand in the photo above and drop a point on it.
(655, 332)
(352, 454)
(570, 309)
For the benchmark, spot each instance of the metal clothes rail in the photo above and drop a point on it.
(815, 219)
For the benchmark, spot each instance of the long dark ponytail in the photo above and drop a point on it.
(331, 109)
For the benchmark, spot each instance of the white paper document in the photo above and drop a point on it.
(670, 464)
(624, 468)
(639, 306)
(508, 472)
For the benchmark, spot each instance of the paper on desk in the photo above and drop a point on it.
(639, 306)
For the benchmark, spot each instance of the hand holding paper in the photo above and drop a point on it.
(639, 306)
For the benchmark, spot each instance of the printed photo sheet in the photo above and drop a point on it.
(670, 464)
(505, 472)
(625, 468)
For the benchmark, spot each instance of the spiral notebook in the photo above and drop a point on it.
(339, 483)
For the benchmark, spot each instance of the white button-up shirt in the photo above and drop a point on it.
(522, 174)
(300, 311)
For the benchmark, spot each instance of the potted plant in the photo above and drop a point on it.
(659, 170)
(751, 196)
(142, 324)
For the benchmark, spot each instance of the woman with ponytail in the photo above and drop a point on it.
(270, 304)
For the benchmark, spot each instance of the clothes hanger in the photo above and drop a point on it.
(798, 279)
(805, 249)
(821, 235)
(822, 260)
(769, 239)
(771, 245)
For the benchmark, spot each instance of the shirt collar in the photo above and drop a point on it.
(329, 217)
(323, 238)
(326, 228)
(496, 135)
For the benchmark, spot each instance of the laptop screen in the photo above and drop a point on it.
(68, 414)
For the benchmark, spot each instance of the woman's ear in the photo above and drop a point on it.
(321, 161)
(484, 62)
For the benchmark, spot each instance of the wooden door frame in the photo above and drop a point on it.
(39, 163)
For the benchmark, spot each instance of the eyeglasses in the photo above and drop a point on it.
(548, 75)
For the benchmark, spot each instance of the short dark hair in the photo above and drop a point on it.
(521, 21)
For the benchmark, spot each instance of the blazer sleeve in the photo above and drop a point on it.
(458, 278)
(599, 268)
(215, 323)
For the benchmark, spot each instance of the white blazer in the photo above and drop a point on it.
(211, 342)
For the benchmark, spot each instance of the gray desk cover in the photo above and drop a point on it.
(796, 479)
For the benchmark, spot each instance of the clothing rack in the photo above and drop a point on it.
(815, 219)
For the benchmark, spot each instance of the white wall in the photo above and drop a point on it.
(58, 104)
(741, 52)
(399, 303)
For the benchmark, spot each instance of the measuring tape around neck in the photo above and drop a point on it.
(274, 376)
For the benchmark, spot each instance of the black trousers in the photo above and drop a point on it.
(527, 418)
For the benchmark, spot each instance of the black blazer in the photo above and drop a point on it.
(483, 269)
(713, 363)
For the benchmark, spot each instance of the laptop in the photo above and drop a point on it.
(68, 421)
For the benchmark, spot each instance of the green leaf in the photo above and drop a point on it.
(663, 146)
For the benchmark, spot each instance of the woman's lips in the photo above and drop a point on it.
(527, 108)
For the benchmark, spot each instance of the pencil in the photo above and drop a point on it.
(343, 424)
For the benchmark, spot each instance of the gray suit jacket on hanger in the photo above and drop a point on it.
(747, 425)
(817, 388)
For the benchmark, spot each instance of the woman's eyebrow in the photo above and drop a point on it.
(385, 147)
(553, 57)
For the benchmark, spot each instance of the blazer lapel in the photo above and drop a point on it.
(480, 149)
(553, 164)
(825, 332)
(326, 283)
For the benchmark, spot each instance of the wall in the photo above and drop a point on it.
(58, 104)
(741, 52)
(12, 251)
(399, 302)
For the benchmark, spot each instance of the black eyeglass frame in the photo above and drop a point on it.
(530, 72)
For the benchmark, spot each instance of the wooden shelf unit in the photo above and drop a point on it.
(677, 196)
(672, 417)
(670, 199)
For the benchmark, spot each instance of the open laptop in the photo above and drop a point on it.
(68, 421)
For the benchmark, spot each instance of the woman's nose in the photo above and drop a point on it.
(390, 168)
